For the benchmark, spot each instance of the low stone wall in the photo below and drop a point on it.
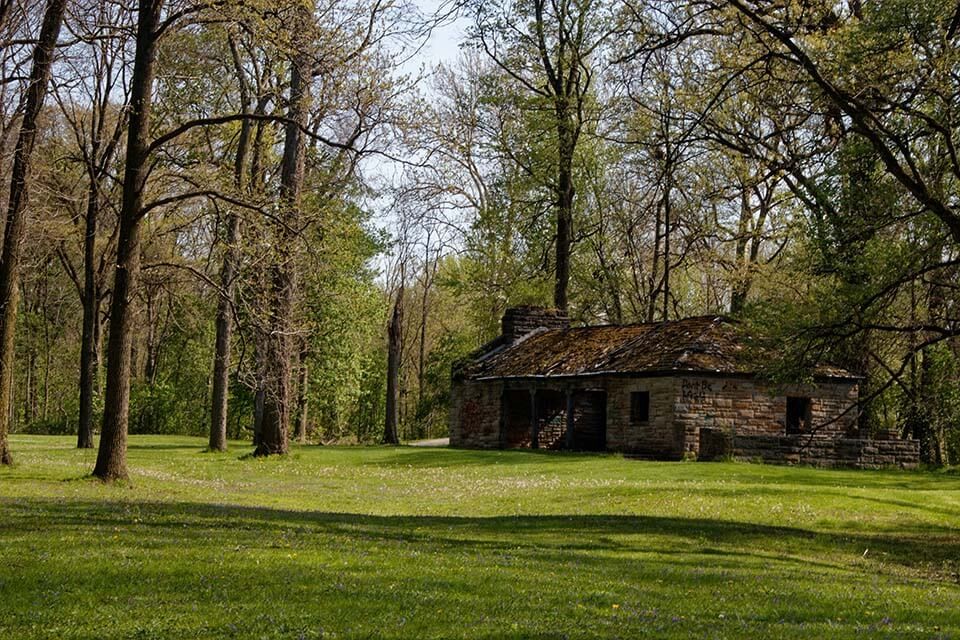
(821, 451)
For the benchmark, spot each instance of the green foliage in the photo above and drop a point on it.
(177, 400)
(934, 415)
(345, 319)
(240, 411)
(50, 427)
(431, 413)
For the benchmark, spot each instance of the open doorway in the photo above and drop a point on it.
(589, 421)
(589, 412)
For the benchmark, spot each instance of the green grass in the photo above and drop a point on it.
(416, 543)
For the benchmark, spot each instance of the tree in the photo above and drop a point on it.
(907, 113)
(279, 341)
(228, 272)
(857, 124)
(552, 57)
(97, 125)
(394, 340)
(16, 222)
(112, 454)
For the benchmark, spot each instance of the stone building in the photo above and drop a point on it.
(666, 390)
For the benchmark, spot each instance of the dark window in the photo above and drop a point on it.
(639, 406)
(799, 414)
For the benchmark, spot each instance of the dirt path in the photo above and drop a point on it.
(436, 442)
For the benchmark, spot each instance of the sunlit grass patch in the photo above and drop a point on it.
(411, 543)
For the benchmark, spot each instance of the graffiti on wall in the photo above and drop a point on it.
(694, 390)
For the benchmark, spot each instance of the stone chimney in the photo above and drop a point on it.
(519, 321)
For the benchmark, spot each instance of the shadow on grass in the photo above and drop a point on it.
(431, 457)
(752, 473)
(186, 446)
(847, 478)
(933, 549)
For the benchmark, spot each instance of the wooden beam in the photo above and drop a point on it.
(534, 420)
(570, 420)
(502, 435)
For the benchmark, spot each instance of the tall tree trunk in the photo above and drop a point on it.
(257, 181)
(932, 444)
(749, 234)
(16, 223)
(5, 6)
(394, 337)
(112, 454)
(424, 316)
(258, 402)
(260, 388)
(47, 360)
(221, 361)
(231, 258)
(653, 284)
(99, 158)
(145, 419)
(303, 405)
(565, 196)
(91, 311)
(667, 221)
(276, 405)
(738, 297)
(30, 392)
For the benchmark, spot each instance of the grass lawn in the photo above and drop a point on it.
(437, 543)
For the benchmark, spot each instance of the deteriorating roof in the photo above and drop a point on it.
(704, 344)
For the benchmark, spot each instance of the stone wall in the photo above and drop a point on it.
(747, 406)
(475, 414)
(817, 450)
(680, 408)
(657, 437)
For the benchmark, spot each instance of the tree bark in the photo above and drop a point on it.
(15, 227)
(91, 310)
(394, 336)
(231, 259)
(741, 286)
(30, 391)
(303, 405)
(99, 157)
(667, 221)
(653, 284)
(276, 405)
(112, 454)
(565, 197)
(221, 361)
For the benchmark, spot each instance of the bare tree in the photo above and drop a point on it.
(97, 125)
(16, 222)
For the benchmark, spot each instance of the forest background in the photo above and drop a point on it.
(270, 221)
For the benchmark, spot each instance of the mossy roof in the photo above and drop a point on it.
(703, 344)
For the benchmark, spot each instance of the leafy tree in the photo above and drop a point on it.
(549, 51)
